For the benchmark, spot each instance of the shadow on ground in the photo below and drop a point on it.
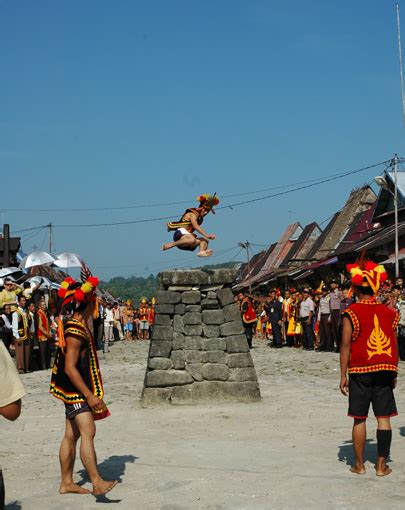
(346, 453)
(112, 468)
(14, 505)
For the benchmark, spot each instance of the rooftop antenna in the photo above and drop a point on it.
(400, 65)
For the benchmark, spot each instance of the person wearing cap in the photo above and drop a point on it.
(369, 363)
(336, 297)
(184, 237)
(325, 336)
(307, 310)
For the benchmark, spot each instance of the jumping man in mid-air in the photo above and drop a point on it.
(184, 237)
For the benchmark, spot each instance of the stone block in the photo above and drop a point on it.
(162, 333)
(211, 295)
(178, 341)
(214, 357)
(184, 278)
(210, 331)
(240, 360)
(163, 378)
(213, 316)
(215, 391)
(192, 318)
(195, 370)
(214, 344)
(152, 397)
(232, 313)
(232, 328)
(215, 372)
(178, 324)
(160, 349)
(178, 359)
(225, 296)
(192, 297)
(193, 308)
(193, 356)
(168, 297)
(193, 330)
(180, 288)
(164, 309)
(210, 304)
(237, 343)
(222, 276)
(162, 320)
(193, 343)
(180, 309)
(242, 374)
(160, 363)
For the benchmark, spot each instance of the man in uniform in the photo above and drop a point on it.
(307, 309)
(325, 337)
(336, 297)
(274, 314)
(21, 332)
(369, 354)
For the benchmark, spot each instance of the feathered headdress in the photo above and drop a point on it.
(208, 202)
(367, 274)
(72, 291)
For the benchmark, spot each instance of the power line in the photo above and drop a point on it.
(229, 206)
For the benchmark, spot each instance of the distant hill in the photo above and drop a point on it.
(135, 287)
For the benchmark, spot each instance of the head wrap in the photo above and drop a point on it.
(72, 291)
(208, 202)
(367, 274)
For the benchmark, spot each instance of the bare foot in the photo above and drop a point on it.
(205, 253)
(103, 487)
(358, 470)
(166, 247)
(72, 488)
(384, 472)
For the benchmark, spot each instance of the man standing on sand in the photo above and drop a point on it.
(76, 380)
(369, 353)
(184, 237)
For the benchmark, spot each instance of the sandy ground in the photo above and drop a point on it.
(291, 450)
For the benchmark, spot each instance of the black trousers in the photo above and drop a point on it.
(277, 339)
(334, 326)
(308, 334)
(325, 334)
(249, 333)
(44, 353)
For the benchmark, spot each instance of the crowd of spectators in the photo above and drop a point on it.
(29, 330)
(310, 319)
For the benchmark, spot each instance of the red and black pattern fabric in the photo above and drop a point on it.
(88, 366)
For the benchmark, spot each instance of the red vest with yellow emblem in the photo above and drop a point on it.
(374, 344)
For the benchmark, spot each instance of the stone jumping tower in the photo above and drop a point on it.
(198, 351)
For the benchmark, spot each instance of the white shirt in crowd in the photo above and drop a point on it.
(16, 318)
(307, 306)
(109, 315)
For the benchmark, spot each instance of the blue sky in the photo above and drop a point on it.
(111, 104)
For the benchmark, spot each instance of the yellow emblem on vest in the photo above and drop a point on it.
(378, 343)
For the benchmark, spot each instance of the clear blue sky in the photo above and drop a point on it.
(109, 104)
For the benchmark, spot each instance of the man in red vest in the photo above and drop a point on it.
(369, 354)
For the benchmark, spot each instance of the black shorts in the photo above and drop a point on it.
(178, 235)
(72, 410)
(375, 388)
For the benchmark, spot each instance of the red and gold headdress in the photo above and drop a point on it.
(72, 291)
(208, 202)
(367, 274)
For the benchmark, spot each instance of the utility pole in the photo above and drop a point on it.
(246, 246)
(50, 238)
(6, 245)
(395, 163)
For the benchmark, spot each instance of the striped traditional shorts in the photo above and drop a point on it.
(72, 410)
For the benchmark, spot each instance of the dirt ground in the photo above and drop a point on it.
(291, 450)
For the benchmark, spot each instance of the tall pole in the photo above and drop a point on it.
(401, 75)
(6, 245)
(396, 215)
(247, 244)
(50, 238)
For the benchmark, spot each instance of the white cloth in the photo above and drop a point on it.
(307, 306)
(7, 323)
(11, 385)
(16, 318)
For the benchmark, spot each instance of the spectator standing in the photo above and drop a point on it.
(249, 317)
(307, 309)
(143, 320)
(8, 296)
(43, 335)
(325, 334)
(274, 314)
(7, 331)
(21, 324)
(117, 321)
(108, 327)
(151, 318)
(336, 297)
(34, 347)
(11, 392)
